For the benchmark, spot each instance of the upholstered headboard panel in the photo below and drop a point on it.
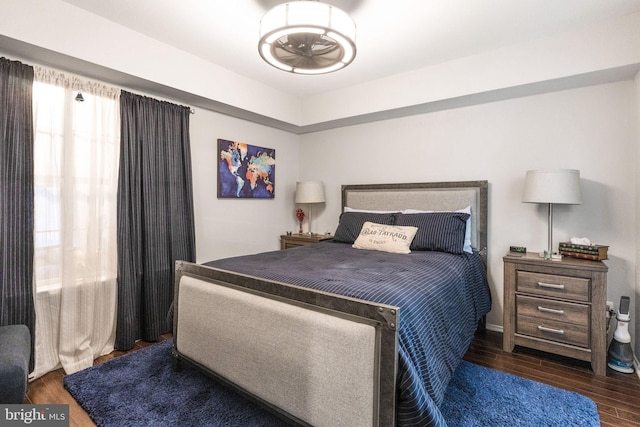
(433, 196)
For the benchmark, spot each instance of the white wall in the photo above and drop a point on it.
(595, 129)
(602, 46)
(228, 227)
(636, 321)
(591, 129)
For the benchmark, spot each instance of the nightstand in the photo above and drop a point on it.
(295, 240)
(556, 306)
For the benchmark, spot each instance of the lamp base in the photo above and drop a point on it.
(550, 256)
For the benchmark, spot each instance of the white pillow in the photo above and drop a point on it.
(348, 209)
(467, 231)
(387, 238)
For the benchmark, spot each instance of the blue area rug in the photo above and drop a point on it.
(141, 389)
(478, 396)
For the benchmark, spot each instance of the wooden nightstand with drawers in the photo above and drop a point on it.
(294, 240)
(556, 306)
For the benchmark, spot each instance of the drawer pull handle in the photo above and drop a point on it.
(550, 310)
(550, 285)
(553, 331)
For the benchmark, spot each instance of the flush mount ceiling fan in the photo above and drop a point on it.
(307, 50)
(307, 37)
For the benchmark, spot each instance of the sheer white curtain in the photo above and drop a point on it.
(76, 178)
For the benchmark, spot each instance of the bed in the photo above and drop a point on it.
(328, 334)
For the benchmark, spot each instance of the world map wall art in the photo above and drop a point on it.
(245, 171)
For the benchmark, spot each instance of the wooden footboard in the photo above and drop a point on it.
(312, 357)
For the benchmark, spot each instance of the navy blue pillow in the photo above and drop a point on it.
(437, 231)
(351, 223)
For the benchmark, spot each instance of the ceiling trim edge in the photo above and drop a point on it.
(27, 52)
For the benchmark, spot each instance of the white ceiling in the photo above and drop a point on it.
(393, 35)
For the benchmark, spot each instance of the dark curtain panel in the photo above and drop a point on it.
(155, 214)
(16, 195)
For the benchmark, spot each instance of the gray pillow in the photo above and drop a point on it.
(351, 223)
(437, 231)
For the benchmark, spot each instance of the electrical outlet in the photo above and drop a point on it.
(610, 306)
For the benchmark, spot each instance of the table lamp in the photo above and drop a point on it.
(559, 186)
(310, 192)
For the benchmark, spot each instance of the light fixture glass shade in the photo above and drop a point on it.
(310, 192)
(560, 186)
(307, 37)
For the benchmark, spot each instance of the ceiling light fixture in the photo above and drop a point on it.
(307, 37)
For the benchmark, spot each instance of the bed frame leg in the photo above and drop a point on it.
(176, 362)
(482, 323)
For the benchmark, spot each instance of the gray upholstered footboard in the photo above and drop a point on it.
(315, 358)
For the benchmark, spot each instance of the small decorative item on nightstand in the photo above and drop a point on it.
(300, 216)
(589, 251)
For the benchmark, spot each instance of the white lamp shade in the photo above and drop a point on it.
(310, 192)
(560, 186)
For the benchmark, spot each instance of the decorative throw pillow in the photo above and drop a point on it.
(385, 238)
(467, 232)
(437, 231)
(351, 223)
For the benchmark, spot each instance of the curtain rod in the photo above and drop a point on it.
(77, 81)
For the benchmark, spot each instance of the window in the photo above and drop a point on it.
(75, 165)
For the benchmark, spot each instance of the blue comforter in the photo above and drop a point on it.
(441, 296)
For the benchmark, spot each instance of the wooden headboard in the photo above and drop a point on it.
(433, 196)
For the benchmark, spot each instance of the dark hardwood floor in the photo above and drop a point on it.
(617, 396)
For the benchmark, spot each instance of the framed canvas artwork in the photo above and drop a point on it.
(245, 171)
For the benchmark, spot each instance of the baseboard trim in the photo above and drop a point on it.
(494, 328)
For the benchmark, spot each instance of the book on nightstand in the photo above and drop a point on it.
(593, 252)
